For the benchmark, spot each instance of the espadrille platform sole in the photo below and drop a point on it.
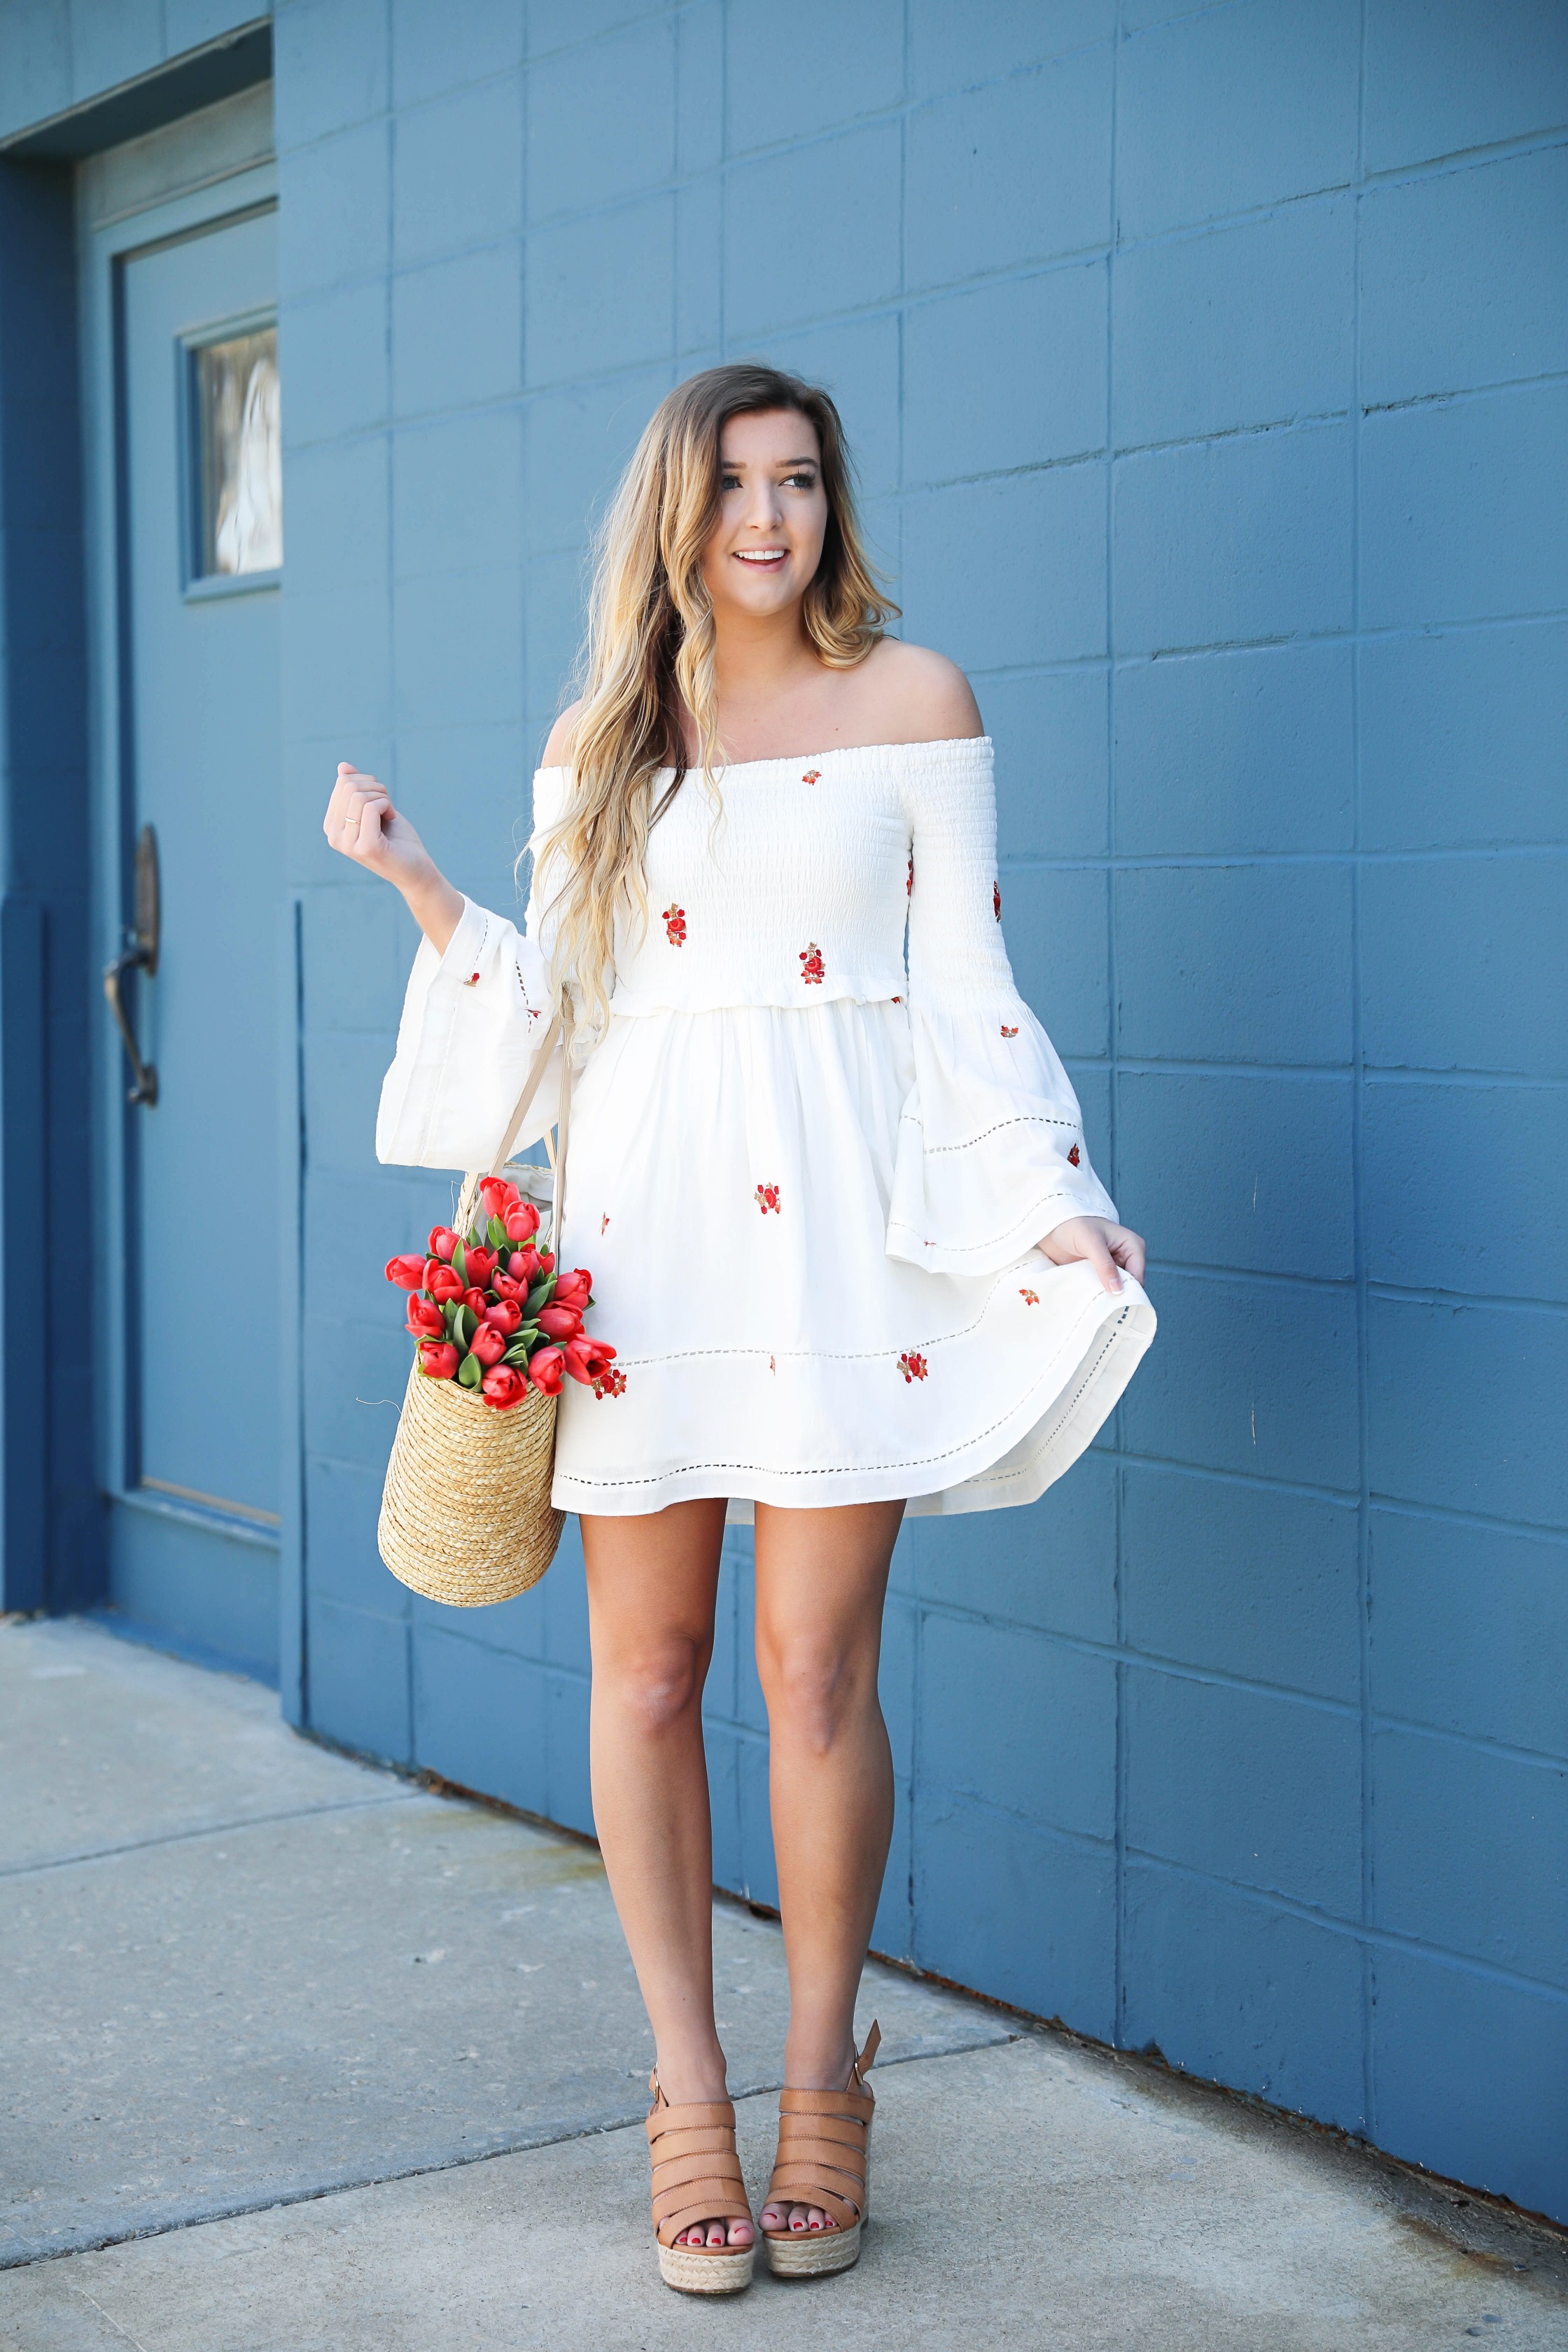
(697, 2178)
(693, 2271)
(824, 2160)
(815, 2253)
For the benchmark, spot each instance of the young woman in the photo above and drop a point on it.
(832, 1181)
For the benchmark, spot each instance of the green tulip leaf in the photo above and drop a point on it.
(497, 1233)
(453, 1311)
(470, 1372)
(517, 1353)
(468, 1323)
(539, 1295)
(459, 1265)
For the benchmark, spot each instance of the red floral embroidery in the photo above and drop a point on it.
(1007, 1032)
(910, 883)
(472, 980)
(812, 776)
(1030, 1297)
(996, 900)
(896, 999)
(767, 1198)
(772, 1366)
(611, 1382)
(674, 921)
(914, 1367)
(604, 1222)
(1074, 1156)
(811, 966)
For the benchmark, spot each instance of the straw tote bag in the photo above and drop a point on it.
(466, 1515)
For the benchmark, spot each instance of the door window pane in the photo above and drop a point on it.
(241, 454)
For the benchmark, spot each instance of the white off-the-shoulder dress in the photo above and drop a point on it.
(811, 1157)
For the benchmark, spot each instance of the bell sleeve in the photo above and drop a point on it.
(991, 1155)
(474, 1018)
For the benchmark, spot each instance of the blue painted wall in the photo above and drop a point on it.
(1209, 374)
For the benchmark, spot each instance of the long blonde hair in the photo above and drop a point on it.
(648, 657)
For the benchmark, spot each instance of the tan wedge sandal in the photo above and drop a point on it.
(824, 2158)
(697, 2178)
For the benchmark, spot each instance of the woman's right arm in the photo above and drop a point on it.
(361, 823)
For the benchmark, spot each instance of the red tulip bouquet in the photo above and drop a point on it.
(491, 1311)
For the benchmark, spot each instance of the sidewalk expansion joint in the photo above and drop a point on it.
(213, 1829)
(555, 2135)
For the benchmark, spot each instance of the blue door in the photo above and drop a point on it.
(193, 1506)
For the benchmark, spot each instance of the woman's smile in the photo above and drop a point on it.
(772, 517)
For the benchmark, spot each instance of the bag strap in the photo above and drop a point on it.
(560, 1030)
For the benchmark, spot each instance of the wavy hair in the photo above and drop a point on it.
(646, 660)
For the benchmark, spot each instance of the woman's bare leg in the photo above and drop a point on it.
(652, 1582)
(821, 1579)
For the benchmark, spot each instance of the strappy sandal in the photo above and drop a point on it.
(697, 2178)
(823, 2159)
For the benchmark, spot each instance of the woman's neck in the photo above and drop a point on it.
(755, 655)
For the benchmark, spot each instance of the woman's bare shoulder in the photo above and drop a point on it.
(916, 695)
(558, 749)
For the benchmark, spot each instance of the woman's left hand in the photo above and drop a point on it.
(1106, 1247)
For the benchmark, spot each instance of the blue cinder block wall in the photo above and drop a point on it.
(1209, 372)
(1206, 370)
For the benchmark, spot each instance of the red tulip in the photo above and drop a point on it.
(546, 1370)
(560, 1322)
(586, 1358)
(523, 1267)
(497, 1196)
(487, 1344)
(439, 1360)
(503, 1386)
(442, 1242)
(425, 1320)
(506, 1315)
(505, 1287)
(479, 1265)
(547, 1261)
(440, 1282)
(521, 1222)
(476, 1299)
(572, 1289)
(407, 1271)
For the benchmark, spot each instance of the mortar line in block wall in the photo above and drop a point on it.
(1118, 1483)
(409, 1625)
(723, 178)
(1369, 1939)
(1358, 1165)
(674, 183)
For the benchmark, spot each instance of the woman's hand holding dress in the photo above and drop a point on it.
(1106, 1247)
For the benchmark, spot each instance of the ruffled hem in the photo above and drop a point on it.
(1024, 1415)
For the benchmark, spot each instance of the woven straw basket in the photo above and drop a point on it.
(466, 1515)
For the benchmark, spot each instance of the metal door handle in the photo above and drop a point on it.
(143, 957)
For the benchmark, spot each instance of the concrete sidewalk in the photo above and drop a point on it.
(300, 2054)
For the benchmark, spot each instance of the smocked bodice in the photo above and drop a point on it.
(791, 884)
